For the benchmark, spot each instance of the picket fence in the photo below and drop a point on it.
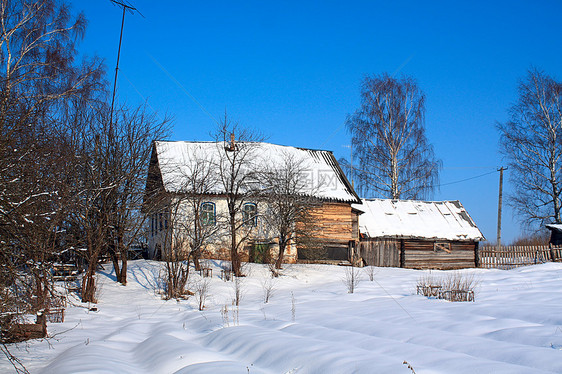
(509, 257)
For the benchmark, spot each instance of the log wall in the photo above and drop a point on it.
(421, 254)
(418, 254)
(334, 222)
(333, 232)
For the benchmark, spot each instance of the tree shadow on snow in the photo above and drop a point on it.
(108, 273)
(146, 277)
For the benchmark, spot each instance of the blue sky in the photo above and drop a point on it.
(293, 70)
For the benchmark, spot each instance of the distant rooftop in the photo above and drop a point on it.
(447, 220)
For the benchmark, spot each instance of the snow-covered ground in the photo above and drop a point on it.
(311, 325)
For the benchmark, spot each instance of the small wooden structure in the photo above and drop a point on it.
(417, 234)
(555, 234)
(13, 332)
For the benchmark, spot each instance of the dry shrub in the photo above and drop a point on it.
(538, 238)
(370, 271)
(351, 279)
(269, 286)
(202, 287)
(174, 278)
(238, 291)
(226, 271)
(460, 281)
(452, 287)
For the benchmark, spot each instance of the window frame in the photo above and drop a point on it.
(246, 219)
(442, 246)
(203, 216)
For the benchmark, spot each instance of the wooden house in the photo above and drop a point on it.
(173, 164)
(417, 234)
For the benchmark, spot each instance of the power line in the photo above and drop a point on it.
(467, 179)
(442, 184)
(173, 79)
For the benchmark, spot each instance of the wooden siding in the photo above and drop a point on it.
(420, 254)
(333, 232)
(334, 222)
(380, 252)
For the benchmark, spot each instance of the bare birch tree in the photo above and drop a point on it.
(531, 140)
(38, 73)
(394, 158)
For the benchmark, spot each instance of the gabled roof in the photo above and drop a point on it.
(446, 220)
(324, 177)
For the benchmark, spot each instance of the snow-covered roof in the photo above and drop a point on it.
(554, 226)
(446, 220)
(323, 176)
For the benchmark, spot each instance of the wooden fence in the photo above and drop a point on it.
(509, 257)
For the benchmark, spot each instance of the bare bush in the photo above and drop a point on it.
(538, 238)
(351, 279)
(201, 289)
(370, 271)
(224, 315)
(273, 270)
(233, 315)
(226, 271)
(269, 286)
(460, 281)
(238, 291)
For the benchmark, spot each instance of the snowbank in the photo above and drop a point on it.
(312, 325)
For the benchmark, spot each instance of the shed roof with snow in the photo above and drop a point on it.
(323, 177)
(554, 226)
(444, 220)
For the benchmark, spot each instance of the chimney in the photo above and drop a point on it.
(232, 144)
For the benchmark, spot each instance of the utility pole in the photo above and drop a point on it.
(131, 9)
(500, 206)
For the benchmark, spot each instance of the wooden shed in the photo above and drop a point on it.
(555, 233)
(417, 234)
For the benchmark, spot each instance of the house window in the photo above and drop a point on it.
(208, 214)
(249, 214)
(442, 247)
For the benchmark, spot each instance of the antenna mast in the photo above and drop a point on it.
(131, 9)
